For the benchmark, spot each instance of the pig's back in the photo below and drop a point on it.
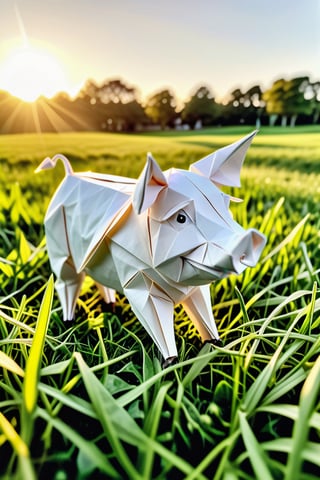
(84, 207)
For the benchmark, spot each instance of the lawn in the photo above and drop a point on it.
(89, 399)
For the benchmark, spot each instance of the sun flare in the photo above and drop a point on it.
(29, 72)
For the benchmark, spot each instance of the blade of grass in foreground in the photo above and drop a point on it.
(30, 384)
(11, 435)
(259, 387)
(308, 398)
(99, 399)
(31, 378)
(94, 456)
(256, 454)
(9, 364)
(119, 425)
(151, 427)
(286, 240)
(20, 448)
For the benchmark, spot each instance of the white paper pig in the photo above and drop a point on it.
(161, 239)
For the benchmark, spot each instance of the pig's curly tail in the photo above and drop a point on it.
(51, 163)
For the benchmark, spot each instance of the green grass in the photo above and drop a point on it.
(273, 152)
(90, 400)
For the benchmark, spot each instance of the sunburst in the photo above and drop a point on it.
(29, 72)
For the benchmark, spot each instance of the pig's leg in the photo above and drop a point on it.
(68, 287)
(108, 294)
(68, 282)
(198, 307)
(154, 309)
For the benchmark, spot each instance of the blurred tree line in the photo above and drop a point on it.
(115, 106)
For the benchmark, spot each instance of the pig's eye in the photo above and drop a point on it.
(181, 218)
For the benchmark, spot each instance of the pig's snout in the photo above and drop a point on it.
(248, 250)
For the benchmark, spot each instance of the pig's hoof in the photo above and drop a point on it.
(108, 307)
(215, 342)
(169, 361)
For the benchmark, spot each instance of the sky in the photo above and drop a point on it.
(176, 44)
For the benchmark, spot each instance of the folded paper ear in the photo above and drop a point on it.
(224, 165)
(149, 185)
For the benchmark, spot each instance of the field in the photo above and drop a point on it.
(89, 399)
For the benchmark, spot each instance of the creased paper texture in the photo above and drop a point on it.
(161, 240)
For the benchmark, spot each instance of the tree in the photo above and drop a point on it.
(201, 107)
(288, 99)
(89, 92)
(315, 101)
(117, 92)
(296, 101)
(234, 108)
(312, 93)
(122, 116)
(161, 108)
(254, 105)
(115, 105)
(274, 98)
(135, 116)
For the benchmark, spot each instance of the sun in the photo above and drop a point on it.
(29, 72)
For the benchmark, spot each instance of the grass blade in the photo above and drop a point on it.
(257, 456)
(9, 364)
(258, 388)
(20, 448)
(200, 362)
(292, 412)
(30, 384)
(116, 421)
(91, 451)
(152, 425)
(12, 436)
(311, 451)
(308, 398)
(119, 425)
(287, 240)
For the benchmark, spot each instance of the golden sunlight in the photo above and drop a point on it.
(29, 72)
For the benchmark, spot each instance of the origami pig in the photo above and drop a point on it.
(161, 239)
